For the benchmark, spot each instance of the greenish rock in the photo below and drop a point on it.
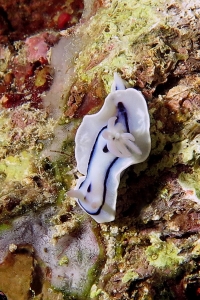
(64, 261)
(94, 292)
(190, 183)
(17, 168)
(163, 255)
(130, 275)
(118, 29)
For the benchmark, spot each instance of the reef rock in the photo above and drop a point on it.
(152, 249)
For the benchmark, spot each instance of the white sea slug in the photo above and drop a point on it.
(106, 144)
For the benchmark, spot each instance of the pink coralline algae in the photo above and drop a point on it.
(37, 48)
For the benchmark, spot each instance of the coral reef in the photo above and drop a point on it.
(48, 82)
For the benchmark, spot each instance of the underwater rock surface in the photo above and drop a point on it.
(152, 249)
(64, 258)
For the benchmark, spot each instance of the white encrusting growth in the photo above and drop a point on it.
(106, 144)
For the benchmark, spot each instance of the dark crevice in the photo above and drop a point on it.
(5, 19)
(37, 280)
(162, 88)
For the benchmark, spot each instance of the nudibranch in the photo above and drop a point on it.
(106, 144)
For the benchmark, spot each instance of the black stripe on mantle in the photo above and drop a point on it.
(121, 110)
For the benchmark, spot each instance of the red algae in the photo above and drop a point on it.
(20, 19)
(63, 20)
(30, 81)
(85, 98)
(28, 73)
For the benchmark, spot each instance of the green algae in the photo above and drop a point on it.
(117, 29)
(130, 275)
(4, 227)
(95, 291)
(61, 195)
(63, 165)
(64, 261)
(61, 169)
(62, 178)
(17, 168)
(190, 181)
(68, 148)
(92, 275)
(163, 255)
(5, 128)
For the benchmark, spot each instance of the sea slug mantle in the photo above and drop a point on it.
(106, 144)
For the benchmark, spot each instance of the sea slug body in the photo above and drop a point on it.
(106, 144)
